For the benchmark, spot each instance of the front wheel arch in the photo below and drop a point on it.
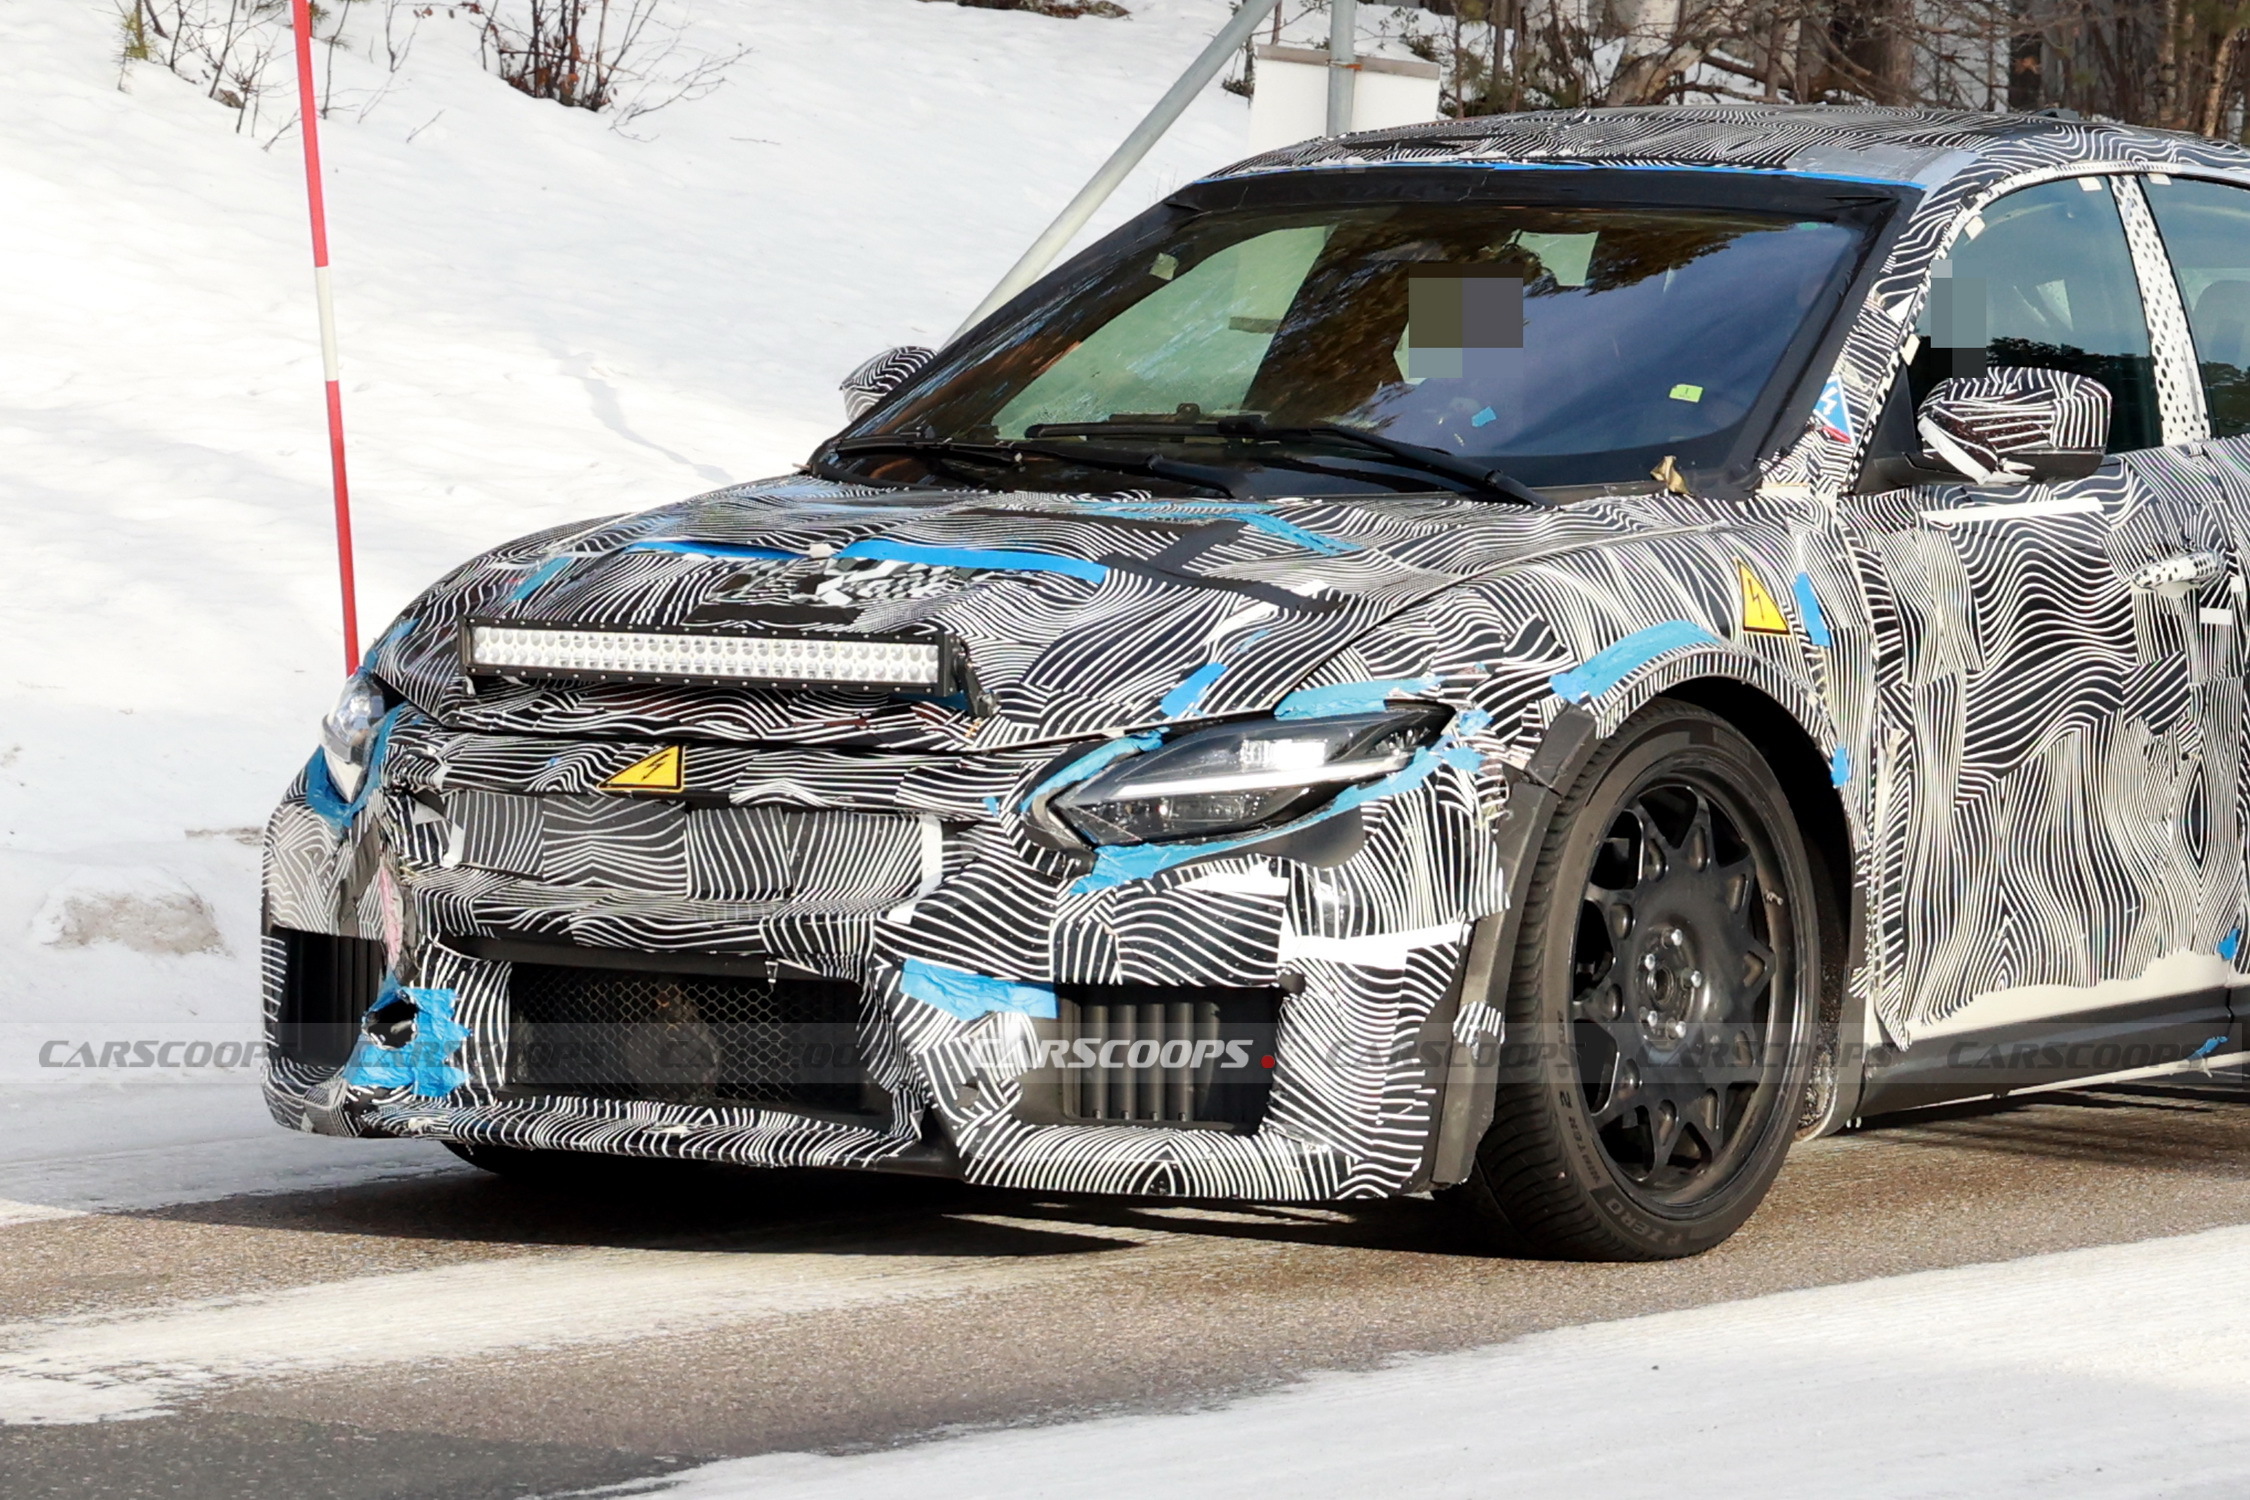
(1826, 828)
(1793, 752)
(1666, 739)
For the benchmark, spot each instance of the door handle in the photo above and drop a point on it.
(2175, 576)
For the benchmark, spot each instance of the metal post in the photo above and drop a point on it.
(1121, 161)
(1343, 62)
(300, 20)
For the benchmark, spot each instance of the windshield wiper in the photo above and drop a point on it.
(1478, 478)
(1008, 454)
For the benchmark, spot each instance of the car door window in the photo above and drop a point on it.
(2206, 229)
(2043, 279)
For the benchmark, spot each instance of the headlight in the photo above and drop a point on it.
(347, 735)
(1241, 776)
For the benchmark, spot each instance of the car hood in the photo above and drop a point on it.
(1077, 614)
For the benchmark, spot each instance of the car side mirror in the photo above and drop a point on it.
(2016, 426)
(865, 388)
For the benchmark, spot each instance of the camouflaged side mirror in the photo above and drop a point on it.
(2016, 426)
(865, 388)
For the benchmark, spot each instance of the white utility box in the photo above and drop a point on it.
(1290, 101)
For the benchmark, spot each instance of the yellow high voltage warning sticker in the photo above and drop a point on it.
(661, 772)
(1759, 611)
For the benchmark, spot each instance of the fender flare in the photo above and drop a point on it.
(1467, 1078)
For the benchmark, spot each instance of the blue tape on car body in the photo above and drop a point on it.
(425, 1063)
(538, 576)
(714, 549)
(1250, 516)
(967, 996)
(2230, 945)
(1181, 701)
(321, 794)
(1808, 608)
(977, 557)
(1351, 697)
(1840, 766)
(1612, 664)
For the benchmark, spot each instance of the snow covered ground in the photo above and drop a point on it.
(542, 319)
(2094, 1373)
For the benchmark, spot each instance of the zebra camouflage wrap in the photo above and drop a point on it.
(1992, 690)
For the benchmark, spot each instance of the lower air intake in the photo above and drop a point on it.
(1163, 1055)
(684, 1038)
(327, 984)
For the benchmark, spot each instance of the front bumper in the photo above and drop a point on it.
(977, 953)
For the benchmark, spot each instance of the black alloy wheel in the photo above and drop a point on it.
(1660, 1011)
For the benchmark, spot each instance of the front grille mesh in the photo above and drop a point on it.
(684, 1038)
(1166, 1055)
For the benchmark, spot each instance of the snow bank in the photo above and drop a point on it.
(2112, 1372)
(542, 319)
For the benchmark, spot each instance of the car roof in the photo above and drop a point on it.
(1923, 147)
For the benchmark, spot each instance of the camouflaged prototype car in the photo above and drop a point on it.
(1539, 658)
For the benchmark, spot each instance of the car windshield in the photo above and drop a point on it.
(1562, 344)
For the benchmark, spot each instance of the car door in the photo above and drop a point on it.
(2205, 229)
(2058, 784)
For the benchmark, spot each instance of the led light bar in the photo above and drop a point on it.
(587, 653)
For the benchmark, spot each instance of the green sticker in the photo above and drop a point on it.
(1687, 393)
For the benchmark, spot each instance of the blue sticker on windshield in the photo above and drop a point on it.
(1831, 412)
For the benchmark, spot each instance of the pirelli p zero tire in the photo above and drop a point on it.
(1662, 1004)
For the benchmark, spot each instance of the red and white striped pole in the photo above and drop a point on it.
(300, 20)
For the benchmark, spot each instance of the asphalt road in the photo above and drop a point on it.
(453, 1336)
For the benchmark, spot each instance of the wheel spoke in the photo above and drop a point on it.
(1706, 1120)
(1653, 863)
(1753, 977)
(1664, 1125)
(1602, 1004)
(1677, 977)
(1621, 1090)
(1616, 908)
(1697, 847)
(1725, 1075)
(1738, 886)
